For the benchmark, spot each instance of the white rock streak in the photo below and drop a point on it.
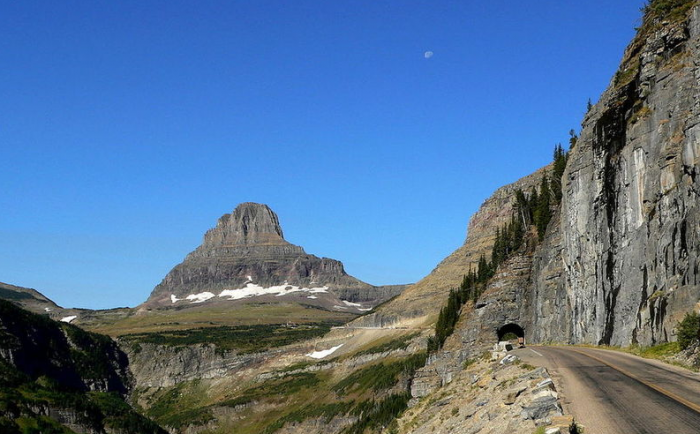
(69, 318)
(324, 353)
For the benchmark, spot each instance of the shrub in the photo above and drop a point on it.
(688, 330)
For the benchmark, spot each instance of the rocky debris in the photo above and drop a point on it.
(486, 397)
(247, 247)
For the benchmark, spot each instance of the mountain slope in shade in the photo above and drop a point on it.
(246, 257)
(33, 301)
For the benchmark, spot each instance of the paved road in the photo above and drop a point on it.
(617, 393)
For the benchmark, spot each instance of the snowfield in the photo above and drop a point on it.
(324, 353)
(251, 290)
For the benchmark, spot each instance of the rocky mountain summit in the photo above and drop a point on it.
(246, 256)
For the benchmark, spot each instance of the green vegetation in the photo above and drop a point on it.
(178, 406)
(244, 339)
(659, 351)
(59, 362)
(528, 210)
(311, 411)
(381, 376)
(355, 395)
(667, 9)
(560, 159)
(688, 330)
(9, 294)
(185, 404)
(26, 400)
(509, 337)
(234, 314)
(380, 414)
(395, 344)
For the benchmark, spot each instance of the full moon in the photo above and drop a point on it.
(428, 54)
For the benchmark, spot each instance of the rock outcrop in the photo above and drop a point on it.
(620, 260)
(247, 250)
(631, 217)
(68, 378)
(421, 302)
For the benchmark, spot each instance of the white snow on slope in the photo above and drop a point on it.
(252, 290)
(69, 318)
(324, 353)
(201, 297)
(347, 303)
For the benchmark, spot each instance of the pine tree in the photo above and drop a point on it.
(573, 138)
(543, 212)
(559, 165)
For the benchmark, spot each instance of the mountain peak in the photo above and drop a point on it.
(249, 224)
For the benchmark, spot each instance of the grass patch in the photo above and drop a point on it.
(179, 406)
(233, 314)
(380, 376)
(660, 351)
(312, 411)
(9, 294)
(244, 339)
(378, 414)
(400, 343)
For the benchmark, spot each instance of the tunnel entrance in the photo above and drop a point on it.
(511, 331)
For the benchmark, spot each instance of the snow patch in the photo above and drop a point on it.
(364, 310)
(47, 309)
(347, 303)
(253, 290)
(313, 297)
(324, 353)
(69, 318)
(174, 299)
(201, 297)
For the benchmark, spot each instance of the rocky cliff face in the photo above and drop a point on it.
(247, 251)
(55, 376)
(619, 263)
(631, 221)
(421, 302)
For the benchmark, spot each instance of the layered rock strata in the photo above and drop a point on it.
(246, 255)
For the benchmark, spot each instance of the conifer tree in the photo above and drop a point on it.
(543, 212)
(559, 165)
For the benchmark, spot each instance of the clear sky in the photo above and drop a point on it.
(128, 127)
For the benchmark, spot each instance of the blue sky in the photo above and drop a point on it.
(127, 128)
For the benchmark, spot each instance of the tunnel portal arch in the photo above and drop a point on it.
(513, 328)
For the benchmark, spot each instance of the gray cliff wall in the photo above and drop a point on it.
(630, 222)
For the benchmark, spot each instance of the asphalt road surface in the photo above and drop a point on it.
(616, 393)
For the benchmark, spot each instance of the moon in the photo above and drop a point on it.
(428, 54)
